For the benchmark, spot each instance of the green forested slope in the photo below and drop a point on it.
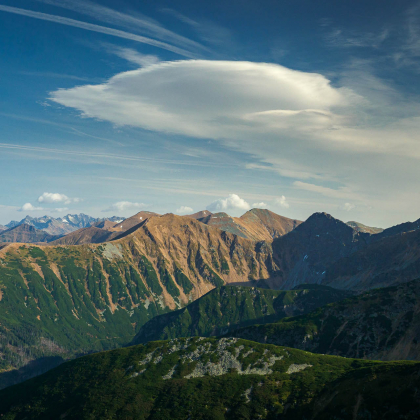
(217, 379)
(380, 324)
(227, 308)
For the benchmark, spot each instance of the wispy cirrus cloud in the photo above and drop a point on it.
(351, 39)
(209, 32)
(133, 22)
(342, 192)
(98, 28)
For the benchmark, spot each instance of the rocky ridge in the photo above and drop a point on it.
(207, 378)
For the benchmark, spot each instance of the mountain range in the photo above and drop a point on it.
(61, 225)
(311, 285)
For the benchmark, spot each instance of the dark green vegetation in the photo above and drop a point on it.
(65, 308)
(230, 307)
(217, 379)
(380, 324)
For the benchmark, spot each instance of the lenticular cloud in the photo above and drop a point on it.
(216, 99)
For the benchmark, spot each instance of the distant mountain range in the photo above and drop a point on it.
(61, 225)
(25, 233)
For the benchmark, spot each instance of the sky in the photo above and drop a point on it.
(298, 106)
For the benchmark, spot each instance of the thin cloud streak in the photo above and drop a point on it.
(136, 23)
(97, 28)
(105, 156)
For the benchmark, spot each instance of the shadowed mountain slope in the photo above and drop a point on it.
(398, 229)
(205, 379)
(389, 261)
(380, 324)
(304, 254)
(227, 308)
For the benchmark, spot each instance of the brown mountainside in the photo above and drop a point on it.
(89, 235)
(256, 224)
(25, 233)
(132, 221)
(199, 215)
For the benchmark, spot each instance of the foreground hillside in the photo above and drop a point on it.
(227, 308)
(381, 324)
(217, 379)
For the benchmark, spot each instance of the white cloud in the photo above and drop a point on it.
(30, 207)
(233, 202)
(216, 99)
(347, 206)
(130, 54)
(56, 198)
(261, 205)
(282, 202)
(184, 210)
(124, 206)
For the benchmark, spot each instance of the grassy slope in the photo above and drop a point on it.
(379, 324)
(227, 308)
(130, 384)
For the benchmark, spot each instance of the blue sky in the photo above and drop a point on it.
(297, 106)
